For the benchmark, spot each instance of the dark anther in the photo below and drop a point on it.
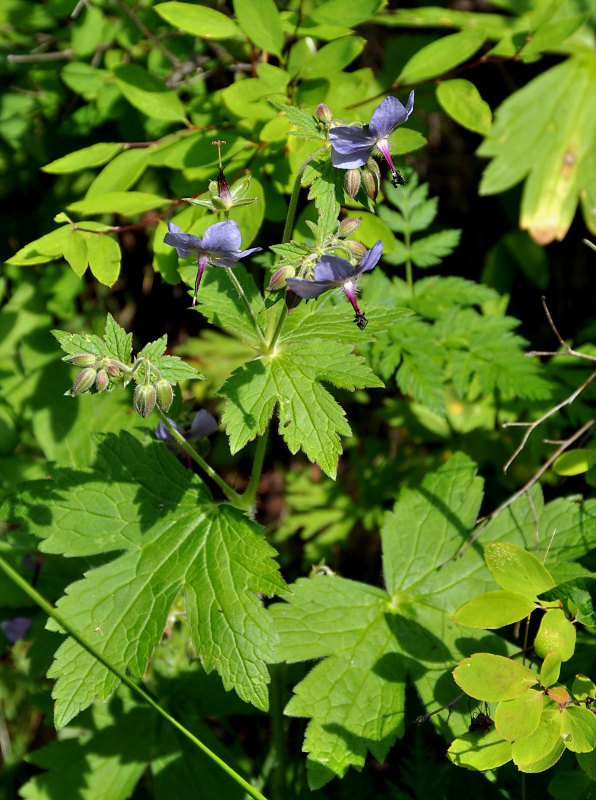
(360, 320)
(397, 179)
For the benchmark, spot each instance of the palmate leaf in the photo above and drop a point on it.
(372, 640)
(175, 539)
(315, 346)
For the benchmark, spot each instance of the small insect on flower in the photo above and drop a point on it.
(331, 272)
(351, 147)
(219, 246)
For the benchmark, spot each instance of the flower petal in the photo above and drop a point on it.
(349, 140)
(333, 269)
(308, 289)
(389, 115)
(185, 243)
(203, 424)
(222, 236)
(349, 162)
(173, 228)
(243, 253)
(371, 258)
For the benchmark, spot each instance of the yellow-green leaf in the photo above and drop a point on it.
(575, 462)
(75, 251)
(201, 21)
(441, 56)
(492, 678)
(556, 633)
(494, 610)
(578, 729)
(93, 156)
(517, 570)
(462, 101)
(118, 203)
(518, 718)
(541, 742)
(259, 19)
(149, 93)
(488, 751)
(104, 258)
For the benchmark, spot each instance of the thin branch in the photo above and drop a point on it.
(535, 516)
(33, 58)
(569, 350)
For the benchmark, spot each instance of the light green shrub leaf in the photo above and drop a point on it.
(148, 93)
(332, 57)
(462, 101)
(556, 633)
(541, 742)
(121, 173)
(583, 687)
(518, 718)
(46, 248)
(104, 258)
(484, 752)
(552, 34)
(93, 156)
(492, 678)
(118, 203)
(546, 762)
(550, 669)
(345, 12)
(516, 569)
(259, 19)
(575, 462)
(441, 56)
(201, 21)
(74, 251)
(578, 729)
(494, 610)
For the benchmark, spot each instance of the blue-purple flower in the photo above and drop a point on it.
(219, 246)
(351, 147)
(332, 272)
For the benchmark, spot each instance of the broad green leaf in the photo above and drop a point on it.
(484, 752)
(74, 251)
(259, 19)
(200, 21)
(47, 248)
(104, 258)
(345, 12)
(84, 79)
(175, 540)
(441, 56)
(332, 57)
(550, 669)
(556, 633)
(493, 678)
(93, 156)
(583, 688)
(552, 34)
(578, 729)
(250, 98)
(581, 592)
(405, 140)
(371, 229)
(118, 203)
(516, 569)
(546, 762)
(494, 610)
(118, 341)
(121, 173)
(541, 742)
(518, 718)
(575, 462)
(148, 93)
(462, 101)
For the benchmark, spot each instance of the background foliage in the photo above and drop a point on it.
(403, 547)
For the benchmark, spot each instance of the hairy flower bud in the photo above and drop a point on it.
(113, 370)
(83, 381)
(165, 394)
(349, 226)
(102, 380)
(356, 247)
(82, 360)
(371, 177)
(324, 112)
(144, 399)
(352, 181)
(278, 279)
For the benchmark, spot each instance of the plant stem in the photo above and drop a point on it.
(248, 497)
(232, 496)
(409, 278)
(289, 226)
(37, 598)
(248, 306)
(278, 773)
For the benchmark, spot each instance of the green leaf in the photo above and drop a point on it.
(345, 12)
(518, 718)
(200, 21)
(578, 729)
(516, 569)
(550, 669)
(543, 748)
(93, 156)
(40, 251)
(172, 368)
(303, 120)
(575, 462)
(259, 19)
(580, 591)
(148, 93)
(118, 203)
(332, 57)
(121, 173)
(441, 56)
(462, 101)
(555, 634)
(118, 341)
(583, 688)
(494, 610)
(290, 379)
(104, 258)
(493, 678)
(552, 34)
(488, 752)
(175, 539)
(74, 251)
(432, 249)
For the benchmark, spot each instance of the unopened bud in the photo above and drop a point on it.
(218, 204)
(371, 177)
(352, 181)
(356, 247)
(165, 394)
(113, 370)
(102, 380)
(83, 381)
(278, 278)
(324, 112)
(82, 360)
(144, 399)
(212, 187)
(348, 226)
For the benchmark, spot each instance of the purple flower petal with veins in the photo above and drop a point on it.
(351, 147)
(219, 246)
(332, 272)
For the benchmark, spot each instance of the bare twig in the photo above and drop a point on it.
(535, 515)
(32, 58)
(568, 350)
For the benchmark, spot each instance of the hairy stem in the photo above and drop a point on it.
(49, 609)
(249, 496)
(232, 496)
